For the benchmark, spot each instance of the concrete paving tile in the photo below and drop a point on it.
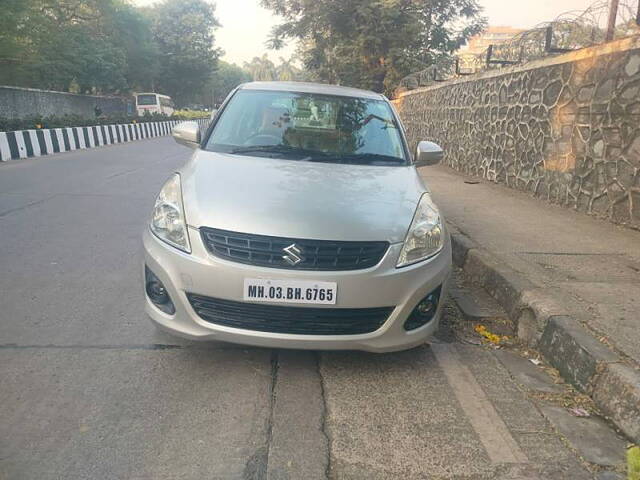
(592, 438)
(386, 418)
(526, 373)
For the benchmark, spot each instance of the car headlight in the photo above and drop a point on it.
(168, 221)
(425, 237)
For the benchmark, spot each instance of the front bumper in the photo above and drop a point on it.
(380, 286)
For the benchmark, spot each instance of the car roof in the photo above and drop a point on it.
(306, 87)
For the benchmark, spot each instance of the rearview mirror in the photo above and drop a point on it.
(428, 153)
(187, 134)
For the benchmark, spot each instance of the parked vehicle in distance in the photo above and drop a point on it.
(154, 103)
(299, 222)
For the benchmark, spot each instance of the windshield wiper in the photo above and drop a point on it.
(305, 154)
(284, 149)
(262, 148)
(318, 156)
(363, 158)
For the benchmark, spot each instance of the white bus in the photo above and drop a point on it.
(154, 103)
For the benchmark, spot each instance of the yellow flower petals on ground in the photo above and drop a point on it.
(492, 337)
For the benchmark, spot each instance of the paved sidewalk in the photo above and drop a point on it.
(576, 277)
(593, 265)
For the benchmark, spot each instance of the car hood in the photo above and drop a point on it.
(299, 199)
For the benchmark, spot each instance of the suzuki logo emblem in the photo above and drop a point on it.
(293, 255)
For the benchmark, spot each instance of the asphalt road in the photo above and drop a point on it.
(90, 390)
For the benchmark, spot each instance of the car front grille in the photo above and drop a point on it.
(265, 251)
(285, 319)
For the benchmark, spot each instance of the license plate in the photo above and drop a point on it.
(290, 291)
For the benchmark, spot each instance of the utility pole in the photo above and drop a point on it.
(611, 24)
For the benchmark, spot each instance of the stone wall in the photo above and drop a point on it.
(16, 102)
(566, 128)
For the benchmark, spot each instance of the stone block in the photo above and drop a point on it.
(574, 351)
(617, 394)
(460, 245)
(538, 305)
(499, 280)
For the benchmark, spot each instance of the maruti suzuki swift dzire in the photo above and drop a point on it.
(300, 221)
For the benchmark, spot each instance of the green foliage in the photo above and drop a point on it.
(189, 115)
(226, 77)
(373, 43)
(108, 46)
(54, 44)
(36, 122)
(633, 461)
(136, 38)
(183, 31)
(261, 69)
(287, 71)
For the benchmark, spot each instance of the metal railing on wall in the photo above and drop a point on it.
(603, 21)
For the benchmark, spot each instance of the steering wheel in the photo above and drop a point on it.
(263, 139)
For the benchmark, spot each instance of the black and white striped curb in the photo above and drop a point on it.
(35, 143)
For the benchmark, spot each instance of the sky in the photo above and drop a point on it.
(528, 13)
(246, 25)
(244, 31)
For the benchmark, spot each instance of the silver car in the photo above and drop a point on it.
(299, 222)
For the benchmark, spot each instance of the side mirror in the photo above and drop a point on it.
(187, 134)
(428, 153)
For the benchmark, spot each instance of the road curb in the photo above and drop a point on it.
(617, 393)
(576, 354)
(21, 144)
(542, 322)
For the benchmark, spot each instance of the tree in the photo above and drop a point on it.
(183, 32)
(286, 71)
(100, 46)
(14, 44)
(373, 43)
(134, 35)
(226, 77)
(261, 69)
(108, 46)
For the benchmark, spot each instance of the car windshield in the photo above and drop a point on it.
(310, 127)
